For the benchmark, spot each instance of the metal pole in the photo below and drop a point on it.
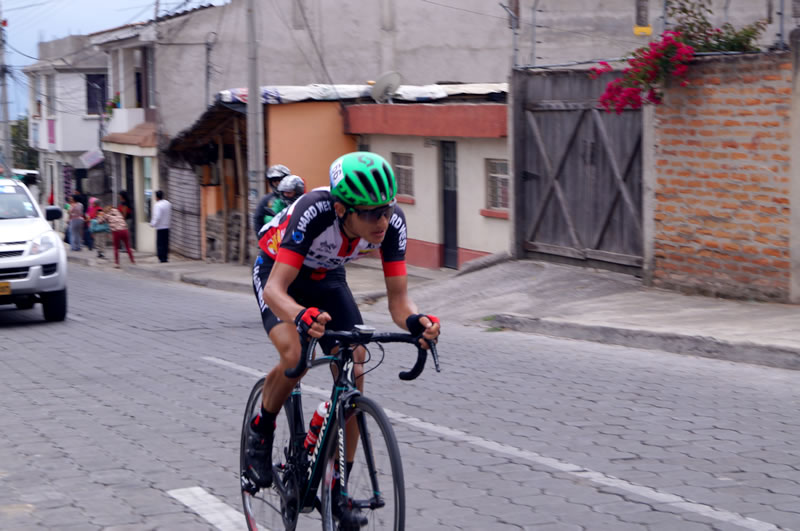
(533, 32)
(514, 27)
(8, 156)
(255, 116)
(664, 15)
(781, 43)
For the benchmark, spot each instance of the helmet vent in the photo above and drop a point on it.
(366, 185)
(380, 180)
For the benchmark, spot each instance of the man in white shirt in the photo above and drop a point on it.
(160, 221)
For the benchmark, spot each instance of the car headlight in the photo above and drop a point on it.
(43, 243)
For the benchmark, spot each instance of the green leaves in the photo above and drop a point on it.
(692, 21)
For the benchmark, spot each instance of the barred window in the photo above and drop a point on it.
(498, 183)
(403, 165)
(95, 93)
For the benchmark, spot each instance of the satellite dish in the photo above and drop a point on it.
(385, 86)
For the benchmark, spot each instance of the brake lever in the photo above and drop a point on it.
(435, 356)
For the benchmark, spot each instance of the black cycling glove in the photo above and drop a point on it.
(305, 319)
(414, 326)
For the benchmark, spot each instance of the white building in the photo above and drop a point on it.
(66, 96)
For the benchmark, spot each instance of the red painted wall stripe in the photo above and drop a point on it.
(488, 120)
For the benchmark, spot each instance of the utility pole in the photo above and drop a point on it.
(8, 156)
(255, 117)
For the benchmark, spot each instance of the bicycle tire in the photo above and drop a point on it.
(263, 509)
(387, 463)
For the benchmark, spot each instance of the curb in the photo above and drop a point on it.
(483, 263)
(223, 285)
(703, 346)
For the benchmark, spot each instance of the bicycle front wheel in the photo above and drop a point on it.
(375, 485)
(264, 509)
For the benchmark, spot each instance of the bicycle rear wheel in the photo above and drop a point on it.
(263, 508)
(375, 483)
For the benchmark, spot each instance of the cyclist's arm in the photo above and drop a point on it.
(401, 306)
(276, 295)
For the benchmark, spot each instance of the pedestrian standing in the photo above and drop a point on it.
(119, 234)
(162, 212)
(75, 223)
(99, 227)
(125, 209)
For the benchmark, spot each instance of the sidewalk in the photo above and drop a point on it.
(549, 299)
(365, 277)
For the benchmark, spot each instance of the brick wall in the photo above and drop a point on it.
(722, 165)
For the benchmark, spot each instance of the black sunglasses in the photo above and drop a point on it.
(374, 214)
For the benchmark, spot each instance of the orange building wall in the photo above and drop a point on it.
(307, 137)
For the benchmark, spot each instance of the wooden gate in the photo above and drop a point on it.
(578, 171)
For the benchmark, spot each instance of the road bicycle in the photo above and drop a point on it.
(374, 484)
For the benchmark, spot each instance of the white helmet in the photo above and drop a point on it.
(292, 183)
(275, 173)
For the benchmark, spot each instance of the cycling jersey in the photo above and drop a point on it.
(308, 235)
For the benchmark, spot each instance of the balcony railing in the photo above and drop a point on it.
(123, 120)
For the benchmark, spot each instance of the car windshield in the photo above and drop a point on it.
(15, 203)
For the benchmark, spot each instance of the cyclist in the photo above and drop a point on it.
(299, 282)
(290, 189)
(274, 176)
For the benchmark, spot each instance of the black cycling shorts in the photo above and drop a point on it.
(330, 294)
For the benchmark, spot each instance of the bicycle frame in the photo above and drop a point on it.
(302, 475)
(344, 389)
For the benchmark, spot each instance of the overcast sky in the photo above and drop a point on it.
(30, 21)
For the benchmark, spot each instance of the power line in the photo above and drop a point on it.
(316, 49)
(26, 7)
(282, 18)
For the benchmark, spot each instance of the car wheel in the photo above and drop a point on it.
(54, 304)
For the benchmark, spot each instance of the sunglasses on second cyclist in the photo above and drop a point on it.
(374, 214)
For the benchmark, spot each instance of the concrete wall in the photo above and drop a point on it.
(307, 137)
(721, 195)
(75, 129)
(469, 41)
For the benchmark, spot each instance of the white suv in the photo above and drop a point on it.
(33, 262)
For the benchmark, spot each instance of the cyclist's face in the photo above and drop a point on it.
(369, 223)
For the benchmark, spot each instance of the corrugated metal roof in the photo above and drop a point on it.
(278, 94)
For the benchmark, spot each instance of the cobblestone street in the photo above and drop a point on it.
(141, 391)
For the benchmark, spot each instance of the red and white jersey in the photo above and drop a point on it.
(308, 234)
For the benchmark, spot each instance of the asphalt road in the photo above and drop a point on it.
(108, 418)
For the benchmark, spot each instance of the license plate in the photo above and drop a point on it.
(5, 288)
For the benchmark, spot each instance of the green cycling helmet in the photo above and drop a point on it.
(362, 179)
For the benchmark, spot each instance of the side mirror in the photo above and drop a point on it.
(53, 212)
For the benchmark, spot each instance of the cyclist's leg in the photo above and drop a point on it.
(277, 387)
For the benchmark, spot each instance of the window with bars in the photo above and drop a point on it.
(498, 183)
(403, 165)
(95, 93)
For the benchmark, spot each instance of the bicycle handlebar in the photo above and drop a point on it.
(362, 335)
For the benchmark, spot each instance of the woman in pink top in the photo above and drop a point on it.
(119, 233)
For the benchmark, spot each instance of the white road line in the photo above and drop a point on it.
(556, 464)
(211, 508)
